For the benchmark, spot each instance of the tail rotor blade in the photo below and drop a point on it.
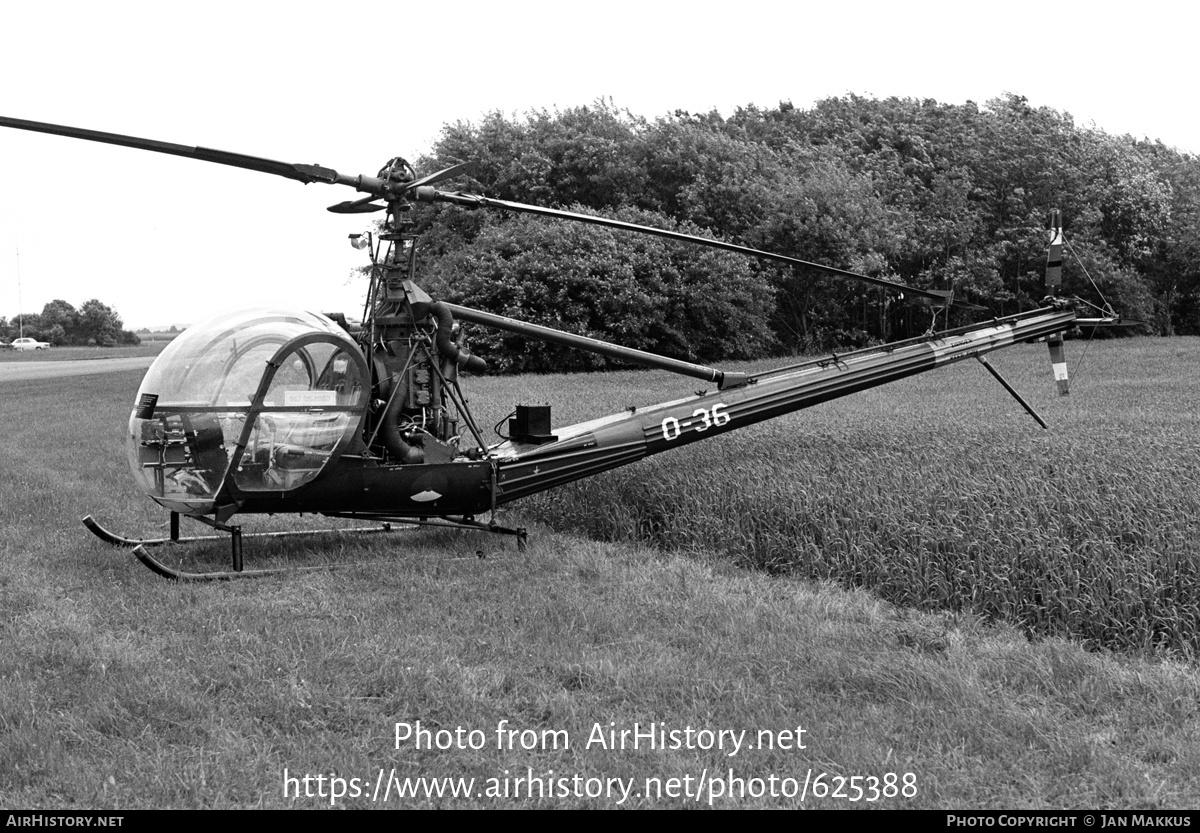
(1054, 256)
(1058, 358)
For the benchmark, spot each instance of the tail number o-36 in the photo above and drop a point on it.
(702, 420)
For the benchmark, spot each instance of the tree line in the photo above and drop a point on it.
(934, 195)
(60, 324)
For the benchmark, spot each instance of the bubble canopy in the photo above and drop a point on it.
(247, 402)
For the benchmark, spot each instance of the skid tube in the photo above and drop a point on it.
(156, 566)
(236, 535)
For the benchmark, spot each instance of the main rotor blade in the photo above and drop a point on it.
(477, 201)
(444, 173)
(298, 172)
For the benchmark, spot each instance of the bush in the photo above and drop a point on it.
(676, 299)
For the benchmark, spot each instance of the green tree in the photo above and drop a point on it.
(1174, 266)
(29, 323)
(623, 287)
(698, 171)
(61, 323)
(581, 155)
(935, 195)
(99, 324)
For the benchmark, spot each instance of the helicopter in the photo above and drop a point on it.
(276, 410)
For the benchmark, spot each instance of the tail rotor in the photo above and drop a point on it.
(1054, 260)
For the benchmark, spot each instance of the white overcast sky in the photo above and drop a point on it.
(349, 84)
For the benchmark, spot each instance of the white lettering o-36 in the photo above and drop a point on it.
(708, 417)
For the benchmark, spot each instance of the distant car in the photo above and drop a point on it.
(29, 344)
(4, 345)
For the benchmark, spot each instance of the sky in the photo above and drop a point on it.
(167, 240)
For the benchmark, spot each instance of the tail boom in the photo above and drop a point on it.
(598, 445)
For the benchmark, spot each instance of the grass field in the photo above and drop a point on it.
(1054, 665)
(940, 493)
(66, 354)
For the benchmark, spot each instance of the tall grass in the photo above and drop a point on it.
(119, 690)
(940, 493)
(936, 492)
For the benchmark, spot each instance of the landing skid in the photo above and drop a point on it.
(157, 567)
(236, 535)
